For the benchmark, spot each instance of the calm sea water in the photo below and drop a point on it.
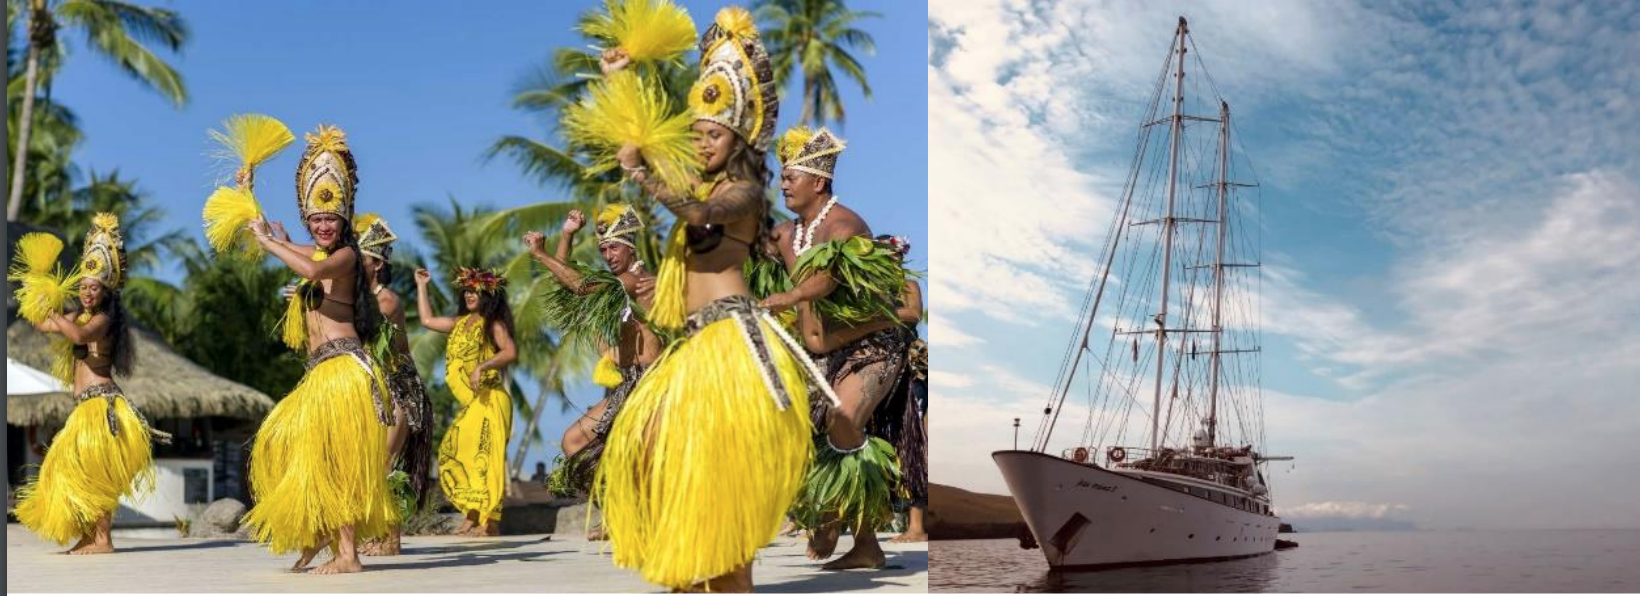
(1478, 561)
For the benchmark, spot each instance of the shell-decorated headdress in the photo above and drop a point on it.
(618, 223)
(326, 176)
(482, 281)
(806, 150)
(736, 85)
(104, 256)
(375, 238)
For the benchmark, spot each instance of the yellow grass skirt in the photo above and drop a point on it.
(320, 461)
(701, 465)
(87, 470)
(472, 459)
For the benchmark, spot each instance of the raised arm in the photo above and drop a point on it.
(337, 265)
(80, 334)
(739, 201)
(424, 307)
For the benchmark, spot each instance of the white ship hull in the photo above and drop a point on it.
(1083, 515)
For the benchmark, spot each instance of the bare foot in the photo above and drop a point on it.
(823, 542)
(737, 581)
(307, 556)
(466, 528)
(910, 537)
(78, 545)
(790, 529)
(596, 535)
(864, 555)
(338, 565)
(95, 548)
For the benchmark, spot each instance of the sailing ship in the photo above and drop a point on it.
(1171, 316)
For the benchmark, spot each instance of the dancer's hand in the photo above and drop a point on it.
(279, 232)
(535, 241)
(423, 276)
(777, 302)
(629, 157)
(258, 227)
(613, 60)
(288, 291)
(575, 221)
(477, 376)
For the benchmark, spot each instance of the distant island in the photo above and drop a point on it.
(957, 514)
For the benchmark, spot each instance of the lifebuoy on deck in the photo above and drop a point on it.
(1116, 454)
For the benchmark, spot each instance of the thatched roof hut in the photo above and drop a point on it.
(165, 385)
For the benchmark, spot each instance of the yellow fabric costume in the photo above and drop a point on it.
(103, 450)
(472, 460)
(319, 461)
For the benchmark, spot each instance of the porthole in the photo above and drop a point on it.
(1192, 536)
(1153, 530)
(1217, 538)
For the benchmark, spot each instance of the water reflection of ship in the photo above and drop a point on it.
(1195, 243)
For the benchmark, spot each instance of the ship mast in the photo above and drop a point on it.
(1218, 274)
(1168, 224)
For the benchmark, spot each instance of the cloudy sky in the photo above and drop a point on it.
(1451, 205)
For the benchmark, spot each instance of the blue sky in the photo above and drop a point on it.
(422, 89)
(1451, 232)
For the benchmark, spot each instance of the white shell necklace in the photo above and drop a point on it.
(804, 239)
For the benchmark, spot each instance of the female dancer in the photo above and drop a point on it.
(472, 460)
(102, 452)
(319, 461)
(710, 449)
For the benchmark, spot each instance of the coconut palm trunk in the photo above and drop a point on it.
(39, 34)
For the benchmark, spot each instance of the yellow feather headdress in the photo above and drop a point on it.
(647, 30)
(806, 150)
(327, 175)
(736, 85)
(618, 223)
(103, 258)
(374, 237)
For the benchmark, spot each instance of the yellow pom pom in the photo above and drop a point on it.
(625, 109)
(42, 287)
(37, 252)
(606, 374)
(737, 21)
(227, 212)
(252, 139)
(293, 327)
(670, 282)
(647, 30)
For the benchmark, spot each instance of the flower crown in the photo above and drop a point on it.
(898, 244)
(480, 280)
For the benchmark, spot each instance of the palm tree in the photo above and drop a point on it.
(815, 36)
(115, 29)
